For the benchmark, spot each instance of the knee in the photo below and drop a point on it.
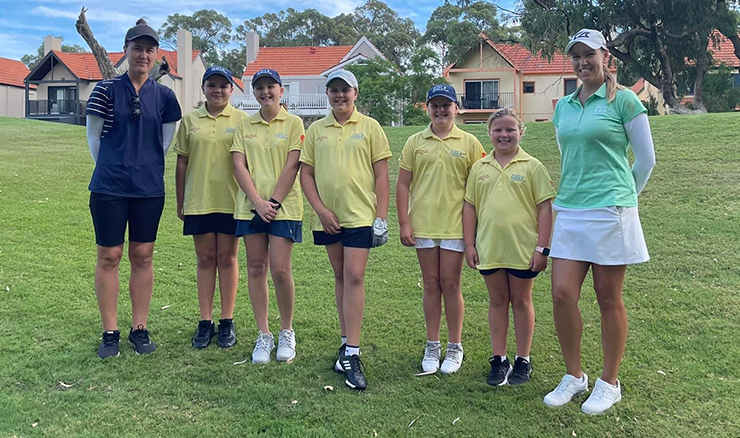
(610, 303)
(110, 258)
(450, 288)
(226, 259)
(563, 296)
(431, 285)
(498, 299)
(281, 276)
(206, 258)
(354, 279)
(257, 268)
(521, 303)
(141, 259)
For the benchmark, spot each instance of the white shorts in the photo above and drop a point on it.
(604, 235)
(457, 245)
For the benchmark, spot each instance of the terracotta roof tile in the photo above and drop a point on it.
(724, 52)
(84, 66)
(13, 72)
(239, 83)
(297, 61)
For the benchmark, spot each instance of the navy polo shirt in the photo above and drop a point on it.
(131, 158)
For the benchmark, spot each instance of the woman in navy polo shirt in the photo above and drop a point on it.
(130, 124)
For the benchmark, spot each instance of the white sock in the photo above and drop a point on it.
(453, 344)
(433, 342)
(523, 357)
(344, 340)
(503, 358)
(581, 379)
(351, 351)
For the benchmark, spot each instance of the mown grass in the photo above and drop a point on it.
(683, 307)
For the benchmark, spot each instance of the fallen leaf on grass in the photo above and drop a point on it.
(35, 424)
(375, 433)
(455, 420)
(328, 388)
(241, 362)
(574, 433)
(662, 373)
(180, 264)
(165, 307)
(425, 373)
(7, 288)
(419, 286)
(294, 402)
(414, 421)
(65, 385)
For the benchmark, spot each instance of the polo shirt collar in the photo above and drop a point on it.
(330, 120)
(520, 156)
(203, 112)
(601, 92)
(257, 117)
(130, 85)
(455, 132)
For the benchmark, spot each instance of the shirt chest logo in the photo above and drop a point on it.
(281, 136)
(422, 151)
(321, 138)
(483, 177)
(518, 178)
(230, 130)
(357, 136)
(250, 136)
(193, 130)
(457, 154)
(600, 109)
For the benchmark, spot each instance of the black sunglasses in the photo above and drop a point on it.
(136, 109)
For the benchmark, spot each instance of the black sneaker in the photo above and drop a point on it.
(500, 371)
(206, 331)
(109, 344)
(226, 333)
(521, 373)
(337, 367)
(139, 338)
(353, 375)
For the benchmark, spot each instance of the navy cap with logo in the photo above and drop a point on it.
(267, 73)
(442, 90)
(141, 30)
(216, 70)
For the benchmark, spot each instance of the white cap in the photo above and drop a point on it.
(344, 75)
(589, 37)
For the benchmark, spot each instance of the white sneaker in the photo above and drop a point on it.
(286, 346)
(602, 397)
(263, 346)
(568, 388)
(432, 353)
(453, 359)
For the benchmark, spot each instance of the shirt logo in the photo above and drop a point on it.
(281, 136)
(600, 110)
(422, 151)
(303, 138)
(321, 138)
(458, 154)
(230, 130)
(248, 136)
(483, 177)
(193, 130)
(518, 178)
(357, 136)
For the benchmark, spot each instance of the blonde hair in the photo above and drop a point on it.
(611, 82)
(503, 112)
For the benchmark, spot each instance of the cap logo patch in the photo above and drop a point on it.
(579, 35)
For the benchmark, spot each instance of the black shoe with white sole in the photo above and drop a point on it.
(353, 375)
(337, 367)
(109, 344)
(522, 371)
(500, 370)
(139, 338)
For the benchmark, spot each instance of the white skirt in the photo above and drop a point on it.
(604, 236)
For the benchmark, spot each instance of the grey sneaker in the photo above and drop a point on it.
(286, 346)
(432, 353)
(263, 346)
(453, 359)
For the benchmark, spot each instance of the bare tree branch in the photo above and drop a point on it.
(101, 55)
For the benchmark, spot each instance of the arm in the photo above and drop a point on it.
(402, 207)
(180, 172)
(308, 181)
(168, 133)
(287, 176)
(382, 188)
(265, 209)
(638, 133)
(538, 262)
(94, 131)
(470, 223)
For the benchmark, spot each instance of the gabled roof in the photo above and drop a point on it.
(13, 72)
(724, 52)
(298, 61)
(239, 83)
(639, 86)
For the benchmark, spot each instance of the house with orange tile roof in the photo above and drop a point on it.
(303, 70)
(508, 75)
(12, 89)
(65, 80)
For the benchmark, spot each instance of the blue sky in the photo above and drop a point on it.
(24, 23)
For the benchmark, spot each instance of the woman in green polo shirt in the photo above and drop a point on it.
(597, 224)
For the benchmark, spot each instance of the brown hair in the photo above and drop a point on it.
(611, 82)
(503, 112)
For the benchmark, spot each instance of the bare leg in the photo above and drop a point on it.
(355, 262)
(107, 284)
(520, 295)
(257, 265)
(205, 252)
(281, 250)
(450, 270)
(227, 248)
(567, 279)
(608, 282)
(498, 310)
(336, 258)
(142, 280)
(432, 298)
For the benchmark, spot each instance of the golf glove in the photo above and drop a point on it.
(380, 232)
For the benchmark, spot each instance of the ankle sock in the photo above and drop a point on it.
(344, 340)
(351, 351)
(523, 357)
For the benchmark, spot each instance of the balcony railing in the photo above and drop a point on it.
(293, 101)
(487, 100)
(56, 107)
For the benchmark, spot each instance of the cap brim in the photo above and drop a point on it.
(441, 95)
(591, 44)
(142, 36)
(218, 74)
(256, 78)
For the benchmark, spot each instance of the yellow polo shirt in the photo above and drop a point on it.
(505, 203)
(266, 146)
(343, 158)
(210, 185)
(440, 168)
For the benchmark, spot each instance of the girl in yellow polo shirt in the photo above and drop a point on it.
(269, 209)
(434, 168)
(507, 221)
(205, 186)
(344, 174)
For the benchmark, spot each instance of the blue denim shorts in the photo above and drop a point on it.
(292, 230)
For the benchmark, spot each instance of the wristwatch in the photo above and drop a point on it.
(545, 251)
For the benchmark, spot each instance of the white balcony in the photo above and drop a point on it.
(308, 104)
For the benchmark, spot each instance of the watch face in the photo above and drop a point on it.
(546, 251)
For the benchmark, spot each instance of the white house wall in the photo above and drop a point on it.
(539, 105)
(12, 101)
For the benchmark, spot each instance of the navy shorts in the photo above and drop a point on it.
(111, 213)
(209, 223)
(361, 237)
(518, 273)
(292, 230)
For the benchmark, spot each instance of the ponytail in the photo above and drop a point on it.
(611, 84)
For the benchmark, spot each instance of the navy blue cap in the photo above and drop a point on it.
(267, 73)
(216, 70)
(442, 90)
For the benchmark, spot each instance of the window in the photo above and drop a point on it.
(736, 80)
(475, 122)
(528, 87)
(62, 100)
(481, 94)
(570, 86)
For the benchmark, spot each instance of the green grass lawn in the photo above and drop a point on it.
(680, 373)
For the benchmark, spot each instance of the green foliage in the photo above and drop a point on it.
(414, 115)
(651, 104)
(30, 60)
(719, 94)
(380, 85)
(211, 32)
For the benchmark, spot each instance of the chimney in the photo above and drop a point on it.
(185, 70)
(253, 46)
(52, 43)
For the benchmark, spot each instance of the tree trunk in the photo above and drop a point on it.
(701, 70)
(666, 79)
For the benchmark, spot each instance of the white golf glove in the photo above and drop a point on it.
(380, 232)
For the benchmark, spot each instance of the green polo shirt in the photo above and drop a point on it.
(595, 171)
